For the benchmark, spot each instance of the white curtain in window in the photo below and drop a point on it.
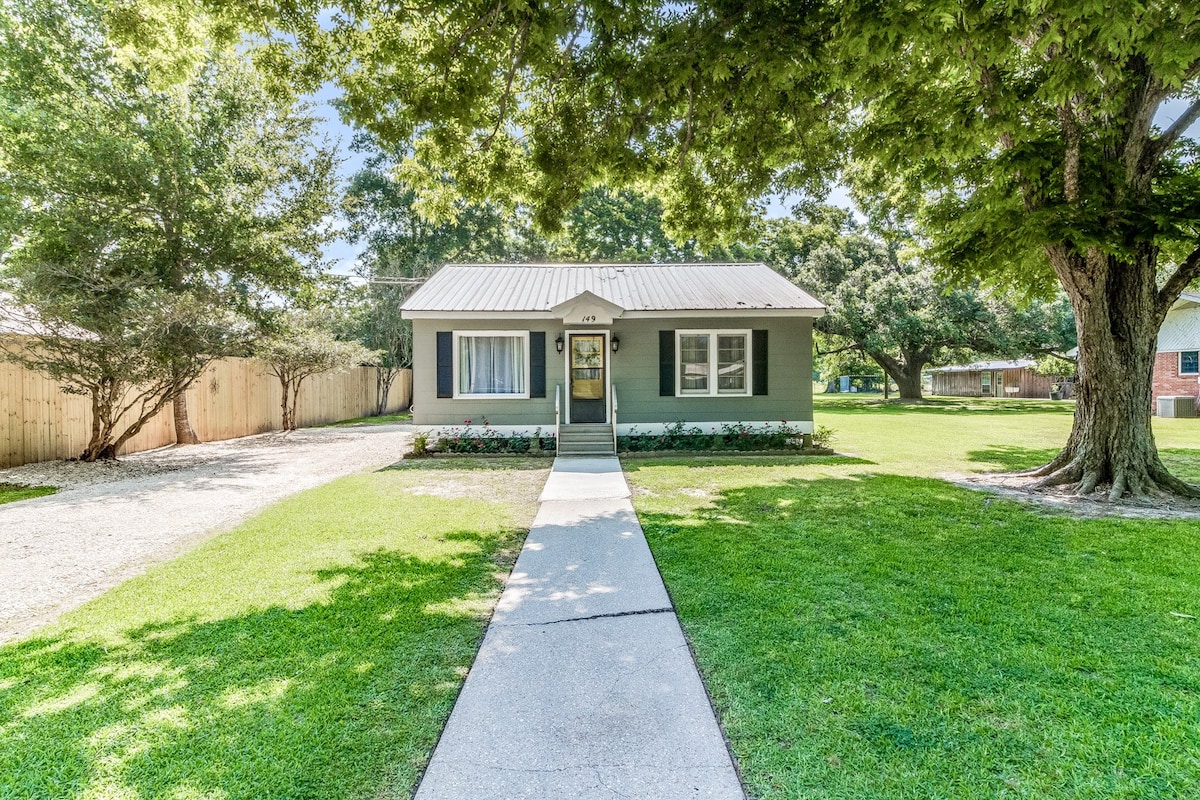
(491, 365)
(693, 363)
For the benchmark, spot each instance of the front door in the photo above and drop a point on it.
(587, 377)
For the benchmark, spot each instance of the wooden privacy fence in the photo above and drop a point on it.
(234, 397)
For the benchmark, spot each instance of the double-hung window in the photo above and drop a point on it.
(491, 364)
(712, 362)
(1189, 362)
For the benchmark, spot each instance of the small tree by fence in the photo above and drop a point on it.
(303, 348)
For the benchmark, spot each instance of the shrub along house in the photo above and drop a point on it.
(588, 351)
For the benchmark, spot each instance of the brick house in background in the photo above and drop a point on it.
(1177, 365)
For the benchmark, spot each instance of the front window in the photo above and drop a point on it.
(986, 383)
(491, 364)
(1189, 362)
(693, 363)
(713, 362)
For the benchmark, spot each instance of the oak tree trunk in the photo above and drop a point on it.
(1117, 317)
(905, 371)
(184, 433)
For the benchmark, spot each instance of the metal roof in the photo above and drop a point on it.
(987, 366)
(484, 288)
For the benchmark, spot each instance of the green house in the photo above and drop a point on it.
(589, 351)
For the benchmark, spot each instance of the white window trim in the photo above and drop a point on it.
(524, 335)
(1181, 352)
(712, 361)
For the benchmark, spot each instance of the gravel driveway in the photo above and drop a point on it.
(111, 521)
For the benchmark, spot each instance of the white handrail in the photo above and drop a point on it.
(557, 412)
(614, 417)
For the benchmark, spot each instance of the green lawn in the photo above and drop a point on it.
(313, 652)
(384, 419)
(868, 630)
(12, 492)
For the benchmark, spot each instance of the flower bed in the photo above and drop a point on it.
(476, 441)
(734, 436)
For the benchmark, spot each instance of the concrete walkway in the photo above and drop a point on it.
(584, 686)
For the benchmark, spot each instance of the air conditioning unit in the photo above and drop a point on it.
(1177, 406)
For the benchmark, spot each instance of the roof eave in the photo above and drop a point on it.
(417, 313)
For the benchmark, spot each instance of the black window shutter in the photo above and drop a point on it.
(537, 363)
(759, 348)
(445, 364)
(666, 363)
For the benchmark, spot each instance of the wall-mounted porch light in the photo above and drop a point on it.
(559, 343)
(616, 343)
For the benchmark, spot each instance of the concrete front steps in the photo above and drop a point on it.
(585, 440)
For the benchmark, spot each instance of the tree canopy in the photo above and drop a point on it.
(886, 298)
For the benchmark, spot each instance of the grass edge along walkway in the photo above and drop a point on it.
(313, 651)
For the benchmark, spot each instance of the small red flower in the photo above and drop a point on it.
(783, 421)
(466, 422)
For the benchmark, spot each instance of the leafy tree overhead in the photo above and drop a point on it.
(1032, 134)
(629, 225)
(131, 190)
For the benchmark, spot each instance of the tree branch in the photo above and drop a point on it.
(1163, 143)
(1184, 274)
(838, 350)
(1073, 139)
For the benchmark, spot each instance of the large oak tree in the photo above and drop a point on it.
(1031, 132)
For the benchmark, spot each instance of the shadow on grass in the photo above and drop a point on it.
(633, 464)
(842, 404)
(1010, 458)
(889, 637)
(337, 699)
(1183, 463)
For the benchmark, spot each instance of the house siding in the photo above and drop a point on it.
(1180, 331)
(429, 409)
(634, 374)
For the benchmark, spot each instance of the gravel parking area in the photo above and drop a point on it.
(111, 521)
